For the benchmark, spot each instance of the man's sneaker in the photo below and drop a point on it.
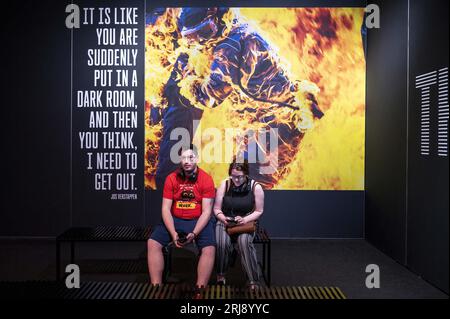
(198, 293)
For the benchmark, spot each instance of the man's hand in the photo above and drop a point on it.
(175, 241)
(189, 238)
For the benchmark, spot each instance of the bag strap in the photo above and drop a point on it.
(253, 182)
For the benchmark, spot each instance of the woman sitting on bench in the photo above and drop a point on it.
(239, 204)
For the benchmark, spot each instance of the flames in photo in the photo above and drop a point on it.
(300, 71)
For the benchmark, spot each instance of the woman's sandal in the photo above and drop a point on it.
(221, 282)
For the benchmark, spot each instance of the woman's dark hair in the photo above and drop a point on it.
(242, 167)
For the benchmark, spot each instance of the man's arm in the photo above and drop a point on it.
(167, 218)
(166, 208)
(205, 216)
(202, 221)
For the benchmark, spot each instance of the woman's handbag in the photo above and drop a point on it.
(249, 227)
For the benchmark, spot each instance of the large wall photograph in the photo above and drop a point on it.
(281, 87)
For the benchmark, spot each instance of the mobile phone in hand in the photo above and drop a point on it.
(231, 221)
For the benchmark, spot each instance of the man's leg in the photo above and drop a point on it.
(205, 265)
(206, 242)
(159, 238)
(155, 260)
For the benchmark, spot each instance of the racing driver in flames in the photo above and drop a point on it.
(245, 70)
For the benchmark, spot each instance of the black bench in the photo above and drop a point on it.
(97, 234)
(141, 234)
(261, 237)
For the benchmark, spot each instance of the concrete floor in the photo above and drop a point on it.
(314, 262)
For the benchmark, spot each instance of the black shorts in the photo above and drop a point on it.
(204, 239)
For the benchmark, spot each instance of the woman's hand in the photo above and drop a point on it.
(222, 218)
(239, 220)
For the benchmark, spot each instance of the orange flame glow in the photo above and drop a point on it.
(320, 49)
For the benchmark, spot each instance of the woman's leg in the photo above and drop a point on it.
(224, 248)
(249, 260)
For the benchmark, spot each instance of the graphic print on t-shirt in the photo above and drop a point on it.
(187, 197)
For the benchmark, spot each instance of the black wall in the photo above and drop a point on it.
(298, 214)
(386, 111)
(406, 192)
(35, 119)
(427, 227)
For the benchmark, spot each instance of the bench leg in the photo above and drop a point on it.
(264, 257)
(169, 262)
(72, 252)
(167, 252)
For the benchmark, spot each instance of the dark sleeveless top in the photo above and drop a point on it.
(239, 201)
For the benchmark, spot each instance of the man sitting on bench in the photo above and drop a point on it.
(186, 216)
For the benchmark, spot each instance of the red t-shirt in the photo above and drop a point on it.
(187, 195)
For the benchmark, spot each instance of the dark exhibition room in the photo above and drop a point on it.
(137, 131)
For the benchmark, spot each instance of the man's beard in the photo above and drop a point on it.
(189, 172)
